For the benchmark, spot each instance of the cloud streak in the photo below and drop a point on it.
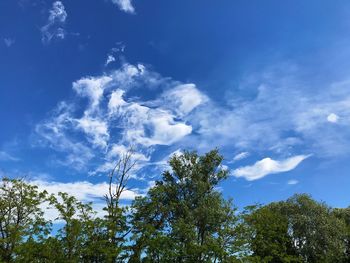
(268, 166)
(4, 156)
(240, 156)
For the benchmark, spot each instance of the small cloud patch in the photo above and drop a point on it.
(9, 42)
(54, 29)
(333, 118)
(125, 6)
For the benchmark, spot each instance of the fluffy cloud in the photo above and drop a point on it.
(92, 88)
(55, 23)
(83, 190)
(184, 98)
(105, 112)
(111, 120)
(125, 5)
(333, 118)
(153, 126)
(268, 166)
(95, 129)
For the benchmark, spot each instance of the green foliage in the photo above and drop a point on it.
(21, 217)
(297, 230)
(77, 219)
(268, 236)
(183, 218)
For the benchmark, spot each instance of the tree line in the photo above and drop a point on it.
(183, 218)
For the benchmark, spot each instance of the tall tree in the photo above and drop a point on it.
(115, 219)
(184, 218)
(77, 221)
(21, 216)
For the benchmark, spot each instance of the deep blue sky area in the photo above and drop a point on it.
(267, 82)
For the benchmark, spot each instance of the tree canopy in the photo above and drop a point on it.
(183, 218)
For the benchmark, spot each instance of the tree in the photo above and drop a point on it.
(76, 232)
(115, 219)
(297, 230)
(343, 214)
(317, 234)
(269, 239)
(21, 217)
(184, 218)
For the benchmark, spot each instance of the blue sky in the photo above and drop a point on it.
(267, 82)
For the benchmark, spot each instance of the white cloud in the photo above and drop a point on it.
(134, 105)
(268, 166)
(55, 23)
(164, 129)
(96, 130)
(293, 182)
(282, 114)
(116, 100)
(92, 88)
(117, 151)
(114, 53)
(82, 190)
(55, 133)
(184, 98)
(110, 59)
(149, 127)
(113, 118)
(9, 41)
(240, 156)
(333, 118)
(125, 5)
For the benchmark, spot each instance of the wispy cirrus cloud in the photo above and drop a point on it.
(9, 41)
(4, 156)
(54, 29)
(281, 115)
(281, 119)
(240, 156)
(268, 166)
